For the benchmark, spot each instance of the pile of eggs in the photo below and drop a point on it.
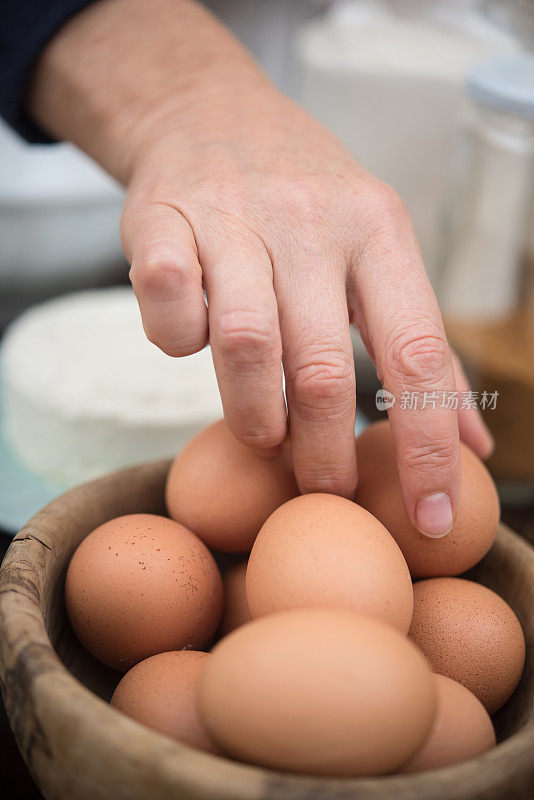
(328, 659)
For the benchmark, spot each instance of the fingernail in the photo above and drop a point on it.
(434, 515)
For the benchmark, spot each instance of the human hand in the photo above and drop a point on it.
(292, 240)
(233, 188)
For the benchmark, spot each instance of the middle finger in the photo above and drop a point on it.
(319, 370)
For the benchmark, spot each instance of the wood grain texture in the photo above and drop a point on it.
(78, 748)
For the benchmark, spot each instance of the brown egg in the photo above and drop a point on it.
(461, 729)
(140, 585)
(469, 634)
(235, 608)
(224, 492)
(318, 691)
(161, 693)
(323, 550)
(476, 517)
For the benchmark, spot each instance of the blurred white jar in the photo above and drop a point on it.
(59, 216)
(387, 77)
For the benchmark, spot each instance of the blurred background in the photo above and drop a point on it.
(406, 86)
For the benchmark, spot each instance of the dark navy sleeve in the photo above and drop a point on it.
(26, 26)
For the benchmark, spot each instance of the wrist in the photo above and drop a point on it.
(123, 73)
(186, 123)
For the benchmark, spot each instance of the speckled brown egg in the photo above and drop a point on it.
(469, 634)
(462, 729)
(323, 550)
(318, 691)
(235, 608)
(224, 492)
(140, 585)
(161, 693)
(476, 516)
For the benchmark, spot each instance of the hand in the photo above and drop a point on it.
(292, 240)
(234, 188)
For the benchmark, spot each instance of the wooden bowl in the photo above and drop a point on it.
(77, 746)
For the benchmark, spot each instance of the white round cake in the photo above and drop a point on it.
(84, 391)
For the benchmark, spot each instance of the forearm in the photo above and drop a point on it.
(123, 69)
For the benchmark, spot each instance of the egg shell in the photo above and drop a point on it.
(476, 516)
(235, 608)
(161, 693)
(224, 492)
(318, 691)
(323, 550)
(142, 584)
(469, 634)
(462, 729)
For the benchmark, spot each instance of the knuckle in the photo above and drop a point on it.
(384, 201)
(439, 455)
(302, 202)
(382, 213)
(419, 355)
(247, 337)
(325, 382)
(156, 273)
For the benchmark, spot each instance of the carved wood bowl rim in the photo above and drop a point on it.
(70, 737)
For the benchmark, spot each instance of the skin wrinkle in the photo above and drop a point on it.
(267, 210)
(418, 457)
(420, 356)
